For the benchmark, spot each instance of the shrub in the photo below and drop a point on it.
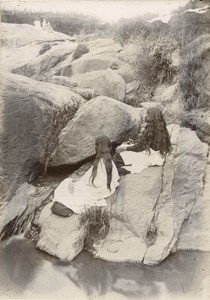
(153, 63)
(96, 223)
(79, 51)
(194, 72)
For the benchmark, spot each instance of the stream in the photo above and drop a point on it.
(27, 273)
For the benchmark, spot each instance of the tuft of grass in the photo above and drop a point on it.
(79, 51)
(153, 64)
(194, 71)
(96, 223)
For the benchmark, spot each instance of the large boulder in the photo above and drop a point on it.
(150, 209)
(105, 82)
(37, 60)
(60, 237)
(183, 182)
(32, 116)
(102, 54)
(101, 115)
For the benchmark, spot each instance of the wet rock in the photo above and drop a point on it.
(127, 286)
(59, 236)
(76, 141)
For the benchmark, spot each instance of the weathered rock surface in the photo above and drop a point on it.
(17, 35)
(40, 64)
(199, 120)
(168, 97)
(38, 112)
(152, 213)
(76, 141)
(102, 55)
(150, 209)
(195, 233)
(104, 82)
(60, 237)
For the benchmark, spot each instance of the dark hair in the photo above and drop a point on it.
(103, 150)
(156, 135)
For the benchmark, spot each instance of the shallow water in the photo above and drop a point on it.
(28, 273)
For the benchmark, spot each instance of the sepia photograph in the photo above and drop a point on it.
(104, 149)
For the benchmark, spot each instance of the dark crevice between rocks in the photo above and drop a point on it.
(151, 233)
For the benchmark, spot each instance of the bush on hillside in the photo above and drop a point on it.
(153, 63)
(69, 23)
(79, 51)
(194, 74)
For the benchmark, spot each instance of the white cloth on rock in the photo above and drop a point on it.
(81, 195)
(138, 161)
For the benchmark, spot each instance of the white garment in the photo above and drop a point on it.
(139, 161)
(81, 195)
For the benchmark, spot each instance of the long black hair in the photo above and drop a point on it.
(103, 150)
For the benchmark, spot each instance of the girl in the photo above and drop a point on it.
(99, 182)
(151, 148)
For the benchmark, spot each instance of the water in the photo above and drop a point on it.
(27, 273)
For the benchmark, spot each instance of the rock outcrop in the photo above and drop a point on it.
(102, 54)
(151, 214)
(113, 118)
(104, 83)
(18, 35)
(32, 117)
(150, 209)
(60, 237)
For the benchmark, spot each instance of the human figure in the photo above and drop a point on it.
(152, 147)
(99, 182)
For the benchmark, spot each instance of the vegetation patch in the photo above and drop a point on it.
(96, 223)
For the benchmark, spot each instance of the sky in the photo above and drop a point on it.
(110, 11)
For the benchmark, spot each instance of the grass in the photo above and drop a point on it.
(96, 223)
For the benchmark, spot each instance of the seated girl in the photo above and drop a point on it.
(99, 182)
(151, 148)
